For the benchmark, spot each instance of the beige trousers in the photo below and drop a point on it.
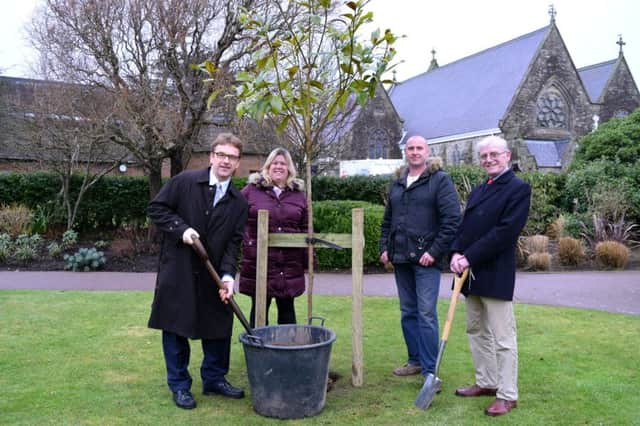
(491, 327)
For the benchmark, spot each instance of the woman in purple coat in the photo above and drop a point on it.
(277, 190)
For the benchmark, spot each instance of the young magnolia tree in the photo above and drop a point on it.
(314, 70)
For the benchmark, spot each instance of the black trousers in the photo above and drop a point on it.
(215, 363)
(286, 310)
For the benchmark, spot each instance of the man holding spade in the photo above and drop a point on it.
(485, 244)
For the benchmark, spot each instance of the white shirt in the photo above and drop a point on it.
(411, 179)
(213, 181)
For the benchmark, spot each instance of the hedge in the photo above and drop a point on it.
(115, 200)
(335, 217)
(109, 203)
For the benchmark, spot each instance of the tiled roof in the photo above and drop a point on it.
(467, 95)
(595, 77)
(547, 153)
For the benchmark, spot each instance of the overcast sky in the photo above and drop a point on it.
(454, 28)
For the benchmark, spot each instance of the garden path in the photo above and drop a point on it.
(612, 291)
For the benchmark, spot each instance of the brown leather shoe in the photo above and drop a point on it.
(476, 390)
(407, 370)
(500, 407)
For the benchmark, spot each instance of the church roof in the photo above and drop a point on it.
(467, 95)
(595, 77)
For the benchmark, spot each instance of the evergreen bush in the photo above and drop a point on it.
(25, 247)
(85, 260)
(6, 246)
(335, 217)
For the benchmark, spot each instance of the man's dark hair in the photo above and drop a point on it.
(227, 139)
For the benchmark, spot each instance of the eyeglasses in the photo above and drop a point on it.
(223, 156)
(491, 155)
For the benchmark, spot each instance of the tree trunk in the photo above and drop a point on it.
(155, 179)
(177, 160)
(310, 247)
(155, 183)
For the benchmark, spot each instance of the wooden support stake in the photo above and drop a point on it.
(262, 248)
(357, 244)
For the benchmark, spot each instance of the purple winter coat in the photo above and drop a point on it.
(287, 213)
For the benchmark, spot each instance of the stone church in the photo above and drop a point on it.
(526, 90)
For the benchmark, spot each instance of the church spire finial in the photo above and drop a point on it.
(434, 63)
(620, 43)
(552, 13)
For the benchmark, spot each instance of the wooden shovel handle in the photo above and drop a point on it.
(199, 248)
(457, 286)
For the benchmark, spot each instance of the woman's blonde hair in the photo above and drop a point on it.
(290, 166)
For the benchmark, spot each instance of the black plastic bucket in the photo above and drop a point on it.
(288, 367)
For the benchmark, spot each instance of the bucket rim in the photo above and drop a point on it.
(244, 339)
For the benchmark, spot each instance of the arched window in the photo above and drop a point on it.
(378, 144)
(552, 110)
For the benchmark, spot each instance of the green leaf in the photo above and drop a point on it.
(212, 97)
(209, 67)
(244, 76)
(283, 124)
(293, 71)
(316, 84)
(276, 104)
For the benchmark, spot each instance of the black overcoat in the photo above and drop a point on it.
(493, 219)
(428, 210)
(186, 300)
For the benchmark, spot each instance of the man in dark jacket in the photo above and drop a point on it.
(495, 214)
(419, 223)
(187, 304)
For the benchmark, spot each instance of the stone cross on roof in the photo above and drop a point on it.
(620, 43)
(552, 13)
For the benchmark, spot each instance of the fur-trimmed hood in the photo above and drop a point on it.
(258, 180)
(433, 165)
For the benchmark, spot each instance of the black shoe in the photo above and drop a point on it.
(184, 399)
(223, 388)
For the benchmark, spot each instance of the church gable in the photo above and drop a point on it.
(550, 105)
(377, 131)
(620, 96)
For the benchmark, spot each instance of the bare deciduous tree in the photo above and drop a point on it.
(67, 128)
(141, 52)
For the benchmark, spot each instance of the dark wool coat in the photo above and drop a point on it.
(287, 213)
(493, 219)
(423, 217)
(186, 300)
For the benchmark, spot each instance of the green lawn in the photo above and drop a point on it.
(88, 358)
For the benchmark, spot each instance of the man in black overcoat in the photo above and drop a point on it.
(495, 214)
(187, 303)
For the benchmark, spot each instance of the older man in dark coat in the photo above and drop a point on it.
(187, 304)
(486, 242)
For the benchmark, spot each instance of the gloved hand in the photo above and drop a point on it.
(187, 236)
